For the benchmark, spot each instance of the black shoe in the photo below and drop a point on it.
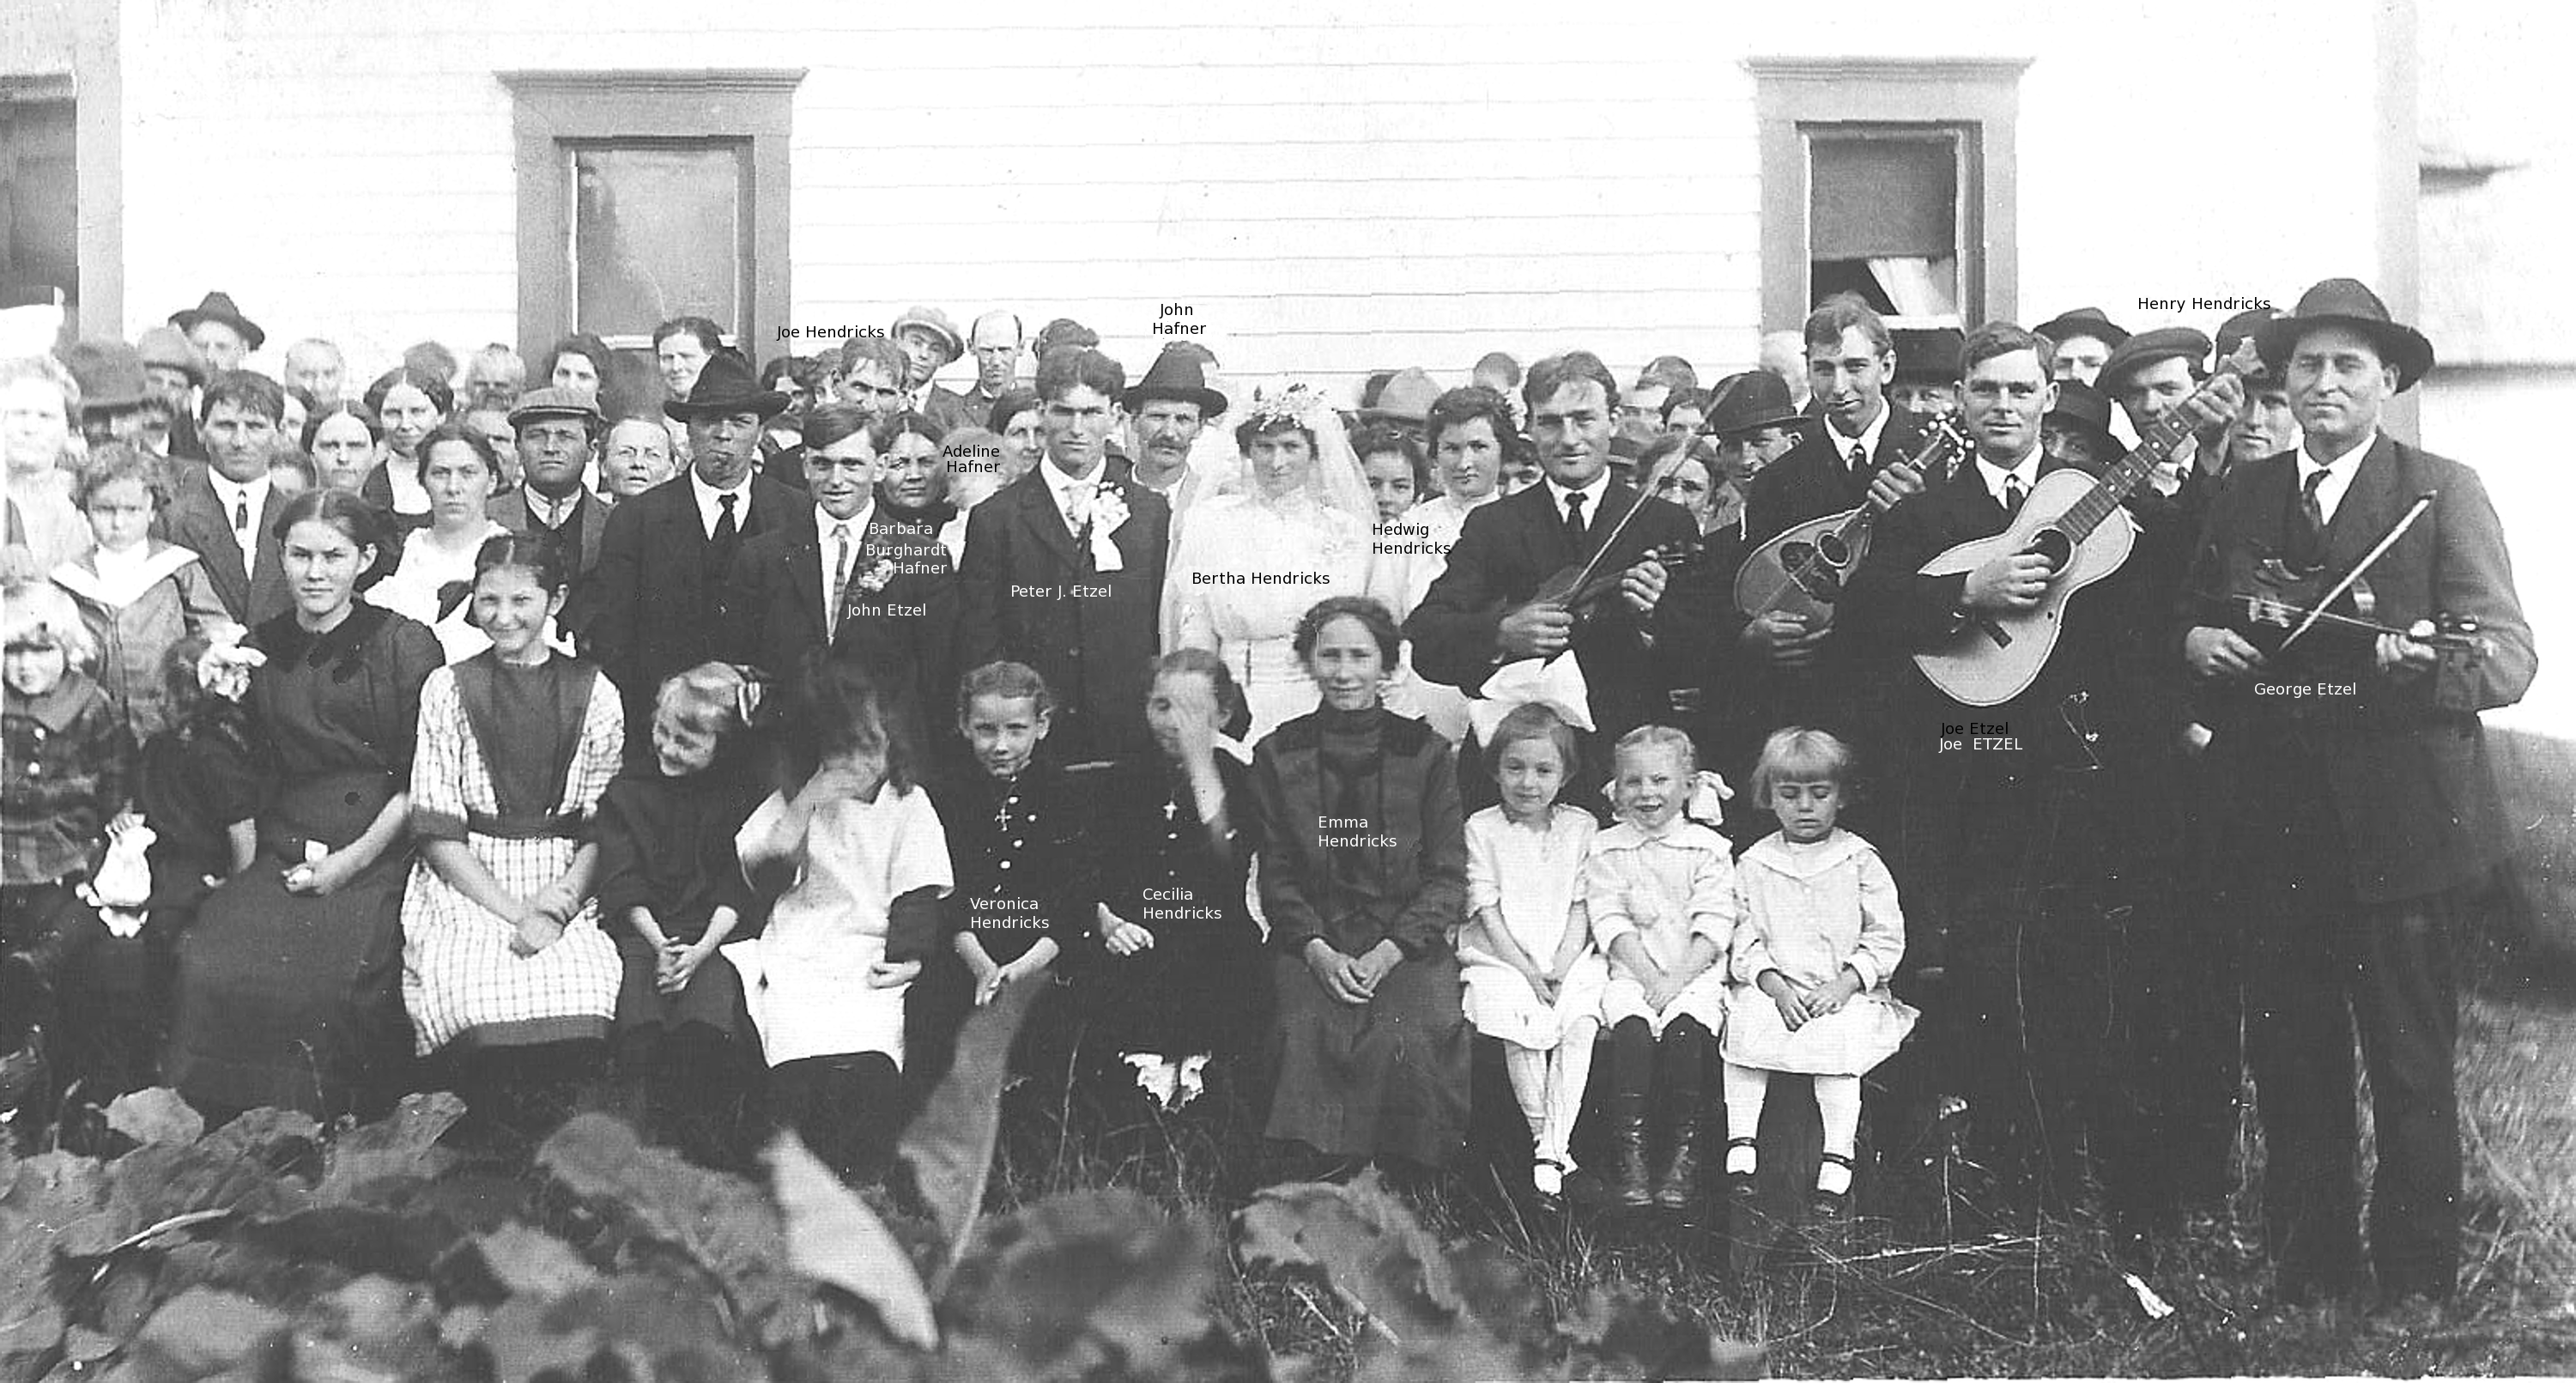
(1626, 1174)
(1677, 1185)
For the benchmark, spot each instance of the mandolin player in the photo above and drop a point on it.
(2358, 801)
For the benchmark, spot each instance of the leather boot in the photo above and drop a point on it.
(1677, 1184)
(1627, 1170)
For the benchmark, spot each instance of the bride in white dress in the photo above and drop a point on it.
(1287, 526)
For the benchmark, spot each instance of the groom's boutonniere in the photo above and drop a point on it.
(875, 577)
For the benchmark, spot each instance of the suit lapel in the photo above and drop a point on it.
(804, 561)
(1039, 514)
(209, 530)
(2370, 504)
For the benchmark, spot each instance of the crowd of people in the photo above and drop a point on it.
(724, 744)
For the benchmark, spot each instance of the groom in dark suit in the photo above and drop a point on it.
(663, 558)
(1063, 568)
(1482, 614)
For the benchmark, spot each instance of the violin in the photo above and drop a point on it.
(1577, 589)
(2281, 606)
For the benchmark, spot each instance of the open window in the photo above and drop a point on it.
(1889, 178)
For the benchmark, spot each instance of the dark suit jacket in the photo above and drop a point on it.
(1096, 651)
(2405, 763)
(905, 635)
(1509, 548)
(511, 512)
(196, 520)
(949, 409)
(660, 596)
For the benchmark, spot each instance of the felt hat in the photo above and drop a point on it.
(2082, 321)
(1743, 402)
(934, 321)
(2238, 329)
(726, 386)
(557, 403)
(1177, 373)
(170, 348)
(218, 307)
(1930, 353)
(2086, 409)
(2348, 303)
(1407, 398)
(110, 374)
(2148, 347)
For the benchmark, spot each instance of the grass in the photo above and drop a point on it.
(2030, 1296)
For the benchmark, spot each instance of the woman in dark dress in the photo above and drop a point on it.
(289, 983)
(1363, 877)
(1183, 982)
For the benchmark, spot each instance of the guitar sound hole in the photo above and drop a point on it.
(1834, 550)
(2054, 545)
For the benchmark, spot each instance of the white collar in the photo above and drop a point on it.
(1868, 437)
(824, 523)
(552, 512)
(228, 489)
(711, 510)
(2309, 465)
(2026, 470)
(1591, 494)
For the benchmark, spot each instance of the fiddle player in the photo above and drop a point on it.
(2358, 801)
(2016, 816)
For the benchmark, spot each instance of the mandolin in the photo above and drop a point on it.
(2064, 520)
(1801, 572)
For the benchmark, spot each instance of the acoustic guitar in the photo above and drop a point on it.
(2064, 520)
(1801, 572)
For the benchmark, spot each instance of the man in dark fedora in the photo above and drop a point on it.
(1927, 372)
(664, 554)
(2077, 429)
(930, 343)
(1754, 422)
(1165, 412)
(1063, 568)
(118, 402)
(2360, 804)
(219, 330)
(2085, 337)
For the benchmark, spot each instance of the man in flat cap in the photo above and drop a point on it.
(2361, 806)
(2266, 425)
(930, 342)
(556, 435)
(2085, 338)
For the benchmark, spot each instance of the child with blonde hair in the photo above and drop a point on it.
(1818, 934)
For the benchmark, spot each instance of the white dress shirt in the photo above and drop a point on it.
(233, 496)
(1591, 493)
(709, 510)
(2026, 470)
(1867, 441)
(829, 529)
(2339, 474)
(1064, 488)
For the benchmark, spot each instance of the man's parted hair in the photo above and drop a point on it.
(1557, 371)
(1840, 313)
(2003, 338)
(1063, 371)
(1670, 371)
(857, 350)
(247, 390)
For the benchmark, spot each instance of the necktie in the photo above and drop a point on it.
(241, 520)
(840, 576)
(1574, 525)
(1077, 505)
(721, 545)
(1859, 461)
(2014, 494)
(2307, 545)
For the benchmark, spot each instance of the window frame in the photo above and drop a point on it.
(1978, 98)
(554, 111)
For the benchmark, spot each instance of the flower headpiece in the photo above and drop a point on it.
(225, 667)
(1298, 406)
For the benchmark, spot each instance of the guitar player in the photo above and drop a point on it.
(2353, 822)
(2015, 816)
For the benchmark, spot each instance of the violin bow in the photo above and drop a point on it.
(2378, 550)
(1583, 577)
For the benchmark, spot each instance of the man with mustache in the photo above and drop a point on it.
(996, 342)
(1166, 411)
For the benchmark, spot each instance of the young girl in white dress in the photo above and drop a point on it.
(1819, 936)
(1532, 977)
(859, 863)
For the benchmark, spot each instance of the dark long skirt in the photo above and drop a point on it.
(1388, 1078)
(293, 1000)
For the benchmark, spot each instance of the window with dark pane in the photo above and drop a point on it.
(1883, 219)
(660, 229)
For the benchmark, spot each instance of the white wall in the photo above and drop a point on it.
(1335, 188)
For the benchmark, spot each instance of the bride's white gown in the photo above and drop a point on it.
(1250, 622)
